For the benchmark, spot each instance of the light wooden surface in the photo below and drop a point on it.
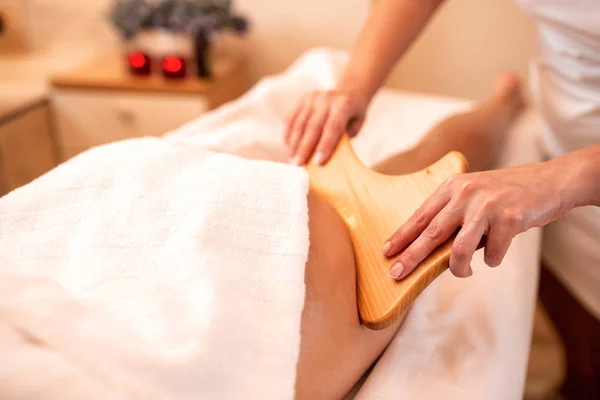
(26, 149)
(14, 37)
(374, 206)
(109, 72)
(88, 118)
(101, 102)
(19, 97)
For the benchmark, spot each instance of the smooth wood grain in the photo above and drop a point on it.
(373, 206)
(26, 149)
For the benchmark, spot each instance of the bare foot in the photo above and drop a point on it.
(506, 100)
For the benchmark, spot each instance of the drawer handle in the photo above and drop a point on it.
(126, 116)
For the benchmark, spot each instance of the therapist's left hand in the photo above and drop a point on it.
(498, 204)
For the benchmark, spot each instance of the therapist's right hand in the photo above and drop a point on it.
(318, 122)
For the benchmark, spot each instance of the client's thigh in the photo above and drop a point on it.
(335, 349)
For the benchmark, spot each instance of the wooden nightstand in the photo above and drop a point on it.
(26, 150)
(102, 102)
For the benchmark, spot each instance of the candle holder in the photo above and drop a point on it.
(199, 20)
(139, 63)
(174, 67)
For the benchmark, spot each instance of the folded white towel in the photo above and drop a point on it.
(193, 260)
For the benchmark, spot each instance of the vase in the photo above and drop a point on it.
(202, 54)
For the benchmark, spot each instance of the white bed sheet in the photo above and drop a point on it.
(463, 339)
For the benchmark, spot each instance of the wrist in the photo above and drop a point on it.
(579, 182)
(591, 176)
(356, 85)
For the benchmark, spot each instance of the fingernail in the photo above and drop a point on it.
(397, 270)
(318, 159)
(296, 160)
(386, 248)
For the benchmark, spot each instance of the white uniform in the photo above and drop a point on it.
(566, 83)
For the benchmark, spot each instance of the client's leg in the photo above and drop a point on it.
(336, 349)
(478, 134)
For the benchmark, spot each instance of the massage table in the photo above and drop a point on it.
(462, 338)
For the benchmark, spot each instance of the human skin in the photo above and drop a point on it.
(335, 348)
(496, 204)
(320, 118)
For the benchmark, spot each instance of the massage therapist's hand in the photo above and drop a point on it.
(499, 204)
(318, 122)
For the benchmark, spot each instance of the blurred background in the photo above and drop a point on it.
(442, 61)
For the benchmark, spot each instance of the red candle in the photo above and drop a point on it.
(139, 63)
(174, 67)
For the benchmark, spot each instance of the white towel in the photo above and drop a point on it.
(156, 270)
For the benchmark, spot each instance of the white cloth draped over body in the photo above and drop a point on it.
(163, 268)
(152, 267)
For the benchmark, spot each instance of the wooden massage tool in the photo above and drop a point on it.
(373, 206)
